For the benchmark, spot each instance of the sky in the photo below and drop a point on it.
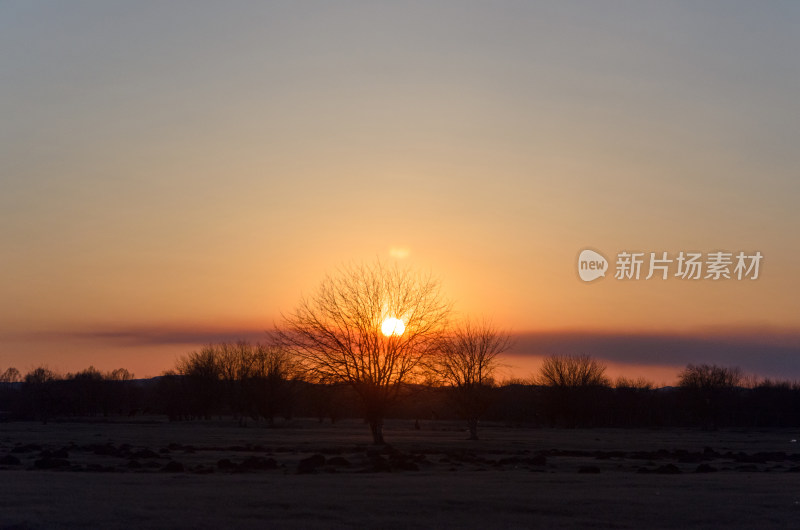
(175, 173)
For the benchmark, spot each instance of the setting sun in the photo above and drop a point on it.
(393, 326)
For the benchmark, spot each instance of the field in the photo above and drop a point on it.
(305, 474)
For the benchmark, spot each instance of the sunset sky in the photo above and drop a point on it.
(180, 172)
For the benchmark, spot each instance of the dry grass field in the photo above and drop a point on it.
(215, 474)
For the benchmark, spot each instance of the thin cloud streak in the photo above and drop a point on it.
(766, 355)
(143, 337)
(761, 355)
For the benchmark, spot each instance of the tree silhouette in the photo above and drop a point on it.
(709, 377)
(119, 374)
(571, 371)
(337, 335)
(710, 391)
(201, 371)
(11, 375)
(248, 379)
(40, 393)
(269, 384)
(87, 389)
(639, 384)
(575, 385)
(467, 361)
(40, 375)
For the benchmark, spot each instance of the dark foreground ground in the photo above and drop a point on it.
(217, 475)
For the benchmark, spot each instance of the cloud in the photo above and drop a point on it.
(766, 355)
(150, 336)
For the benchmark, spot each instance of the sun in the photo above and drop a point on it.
(393, 326)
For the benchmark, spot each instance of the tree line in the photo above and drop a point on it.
(378, 341)
(568, 392)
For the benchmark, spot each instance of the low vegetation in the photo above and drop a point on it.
(250, 383)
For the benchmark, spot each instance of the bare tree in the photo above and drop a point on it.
(11, 375)
(272, 361)
(40, 392)
(250, 379)
(201, 371)
(710, 377)
(639, 384)
(571, 371)
(710, 392)
(467, 362)
(268, 386)
(370, 326)
(41, 375)
(234, 363)
(119, 374)
(88, 390)
(234, 360)
(574, 389)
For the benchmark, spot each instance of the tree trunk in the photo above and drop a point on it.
(376, 426)
(473, 428)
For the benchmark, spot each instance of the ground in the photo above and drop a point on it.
(212, 474)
